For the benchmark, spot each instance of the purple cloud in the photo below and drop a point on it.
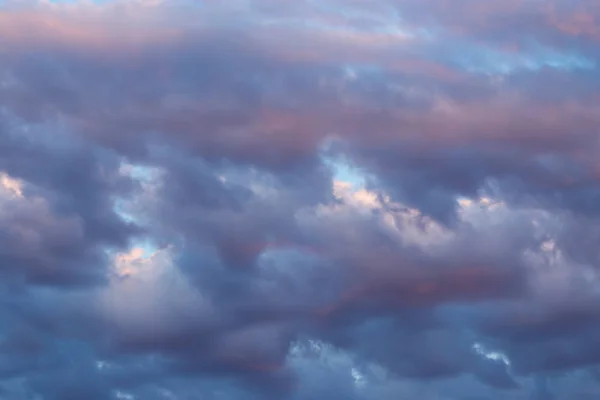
(295, 200)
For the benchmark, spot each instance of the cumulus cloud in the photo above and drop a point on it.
(273, 200)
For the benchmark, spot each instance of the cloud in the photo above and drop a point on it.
(265, 200)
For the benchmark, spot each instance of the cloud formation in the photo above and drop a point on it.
(295, 200)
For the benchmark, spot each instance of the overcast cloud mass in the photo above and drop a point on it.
(300, 199)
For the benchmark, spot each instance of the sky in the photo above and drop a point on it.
(299, 199)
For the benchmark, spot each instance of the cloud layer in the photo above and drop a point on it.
(262, 199)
